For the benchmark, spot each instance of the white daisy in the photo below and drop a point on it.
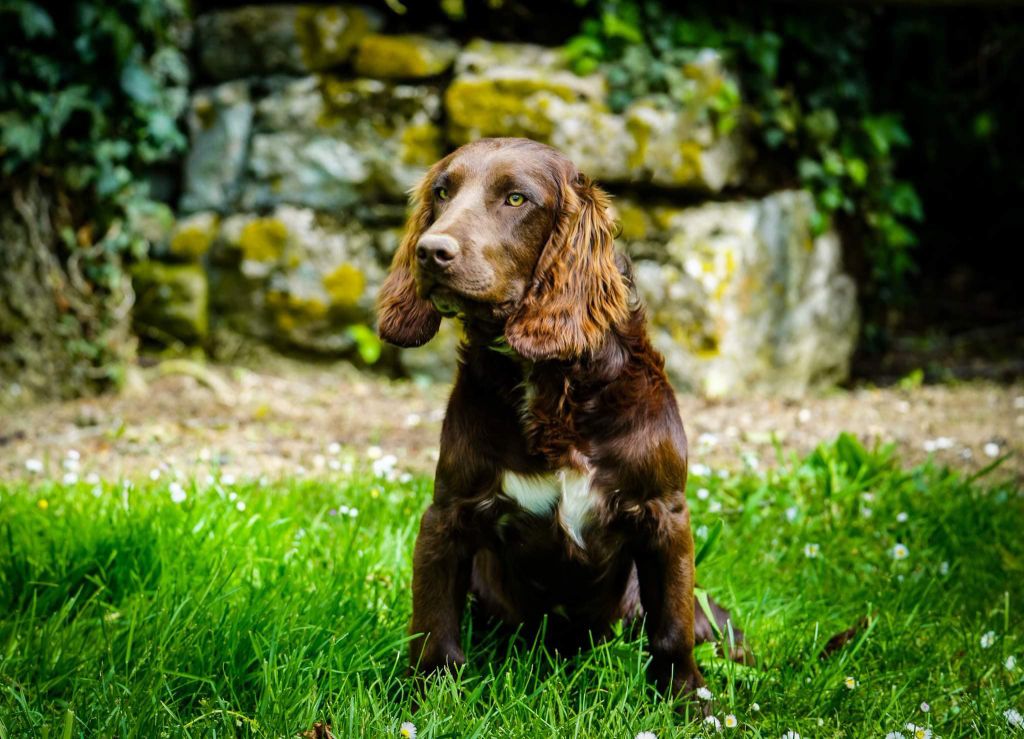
(701, 470)
(902, 516)
(919, 732)
(178, 494)
(790, 734)
(35, 466)
(70, 478)
(1013, 718)
(703, 493)
(925, 707)
(944, 568)
(646, 735)
(894, 735)
(334, 448)
(804, 415)
(850, 682)
(92, 478)
(154, 474)
(755, 707)
(1010, 663)
(374, 452)
(992, 449)
(240, 505)
(714, 723)
(988, 639)
(227, 479)
(811, 550)
(704, 694)
(899, 551)
(791, 513)
(407, 730)
(73, 454)
(715, 506)
(730, 721)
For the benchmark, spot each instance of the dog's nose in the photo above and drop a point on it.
(436, 251)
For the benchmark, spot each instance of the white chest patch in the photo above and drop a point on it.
(567, 490)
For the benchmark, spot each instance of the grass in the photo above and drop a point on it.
(123, 613)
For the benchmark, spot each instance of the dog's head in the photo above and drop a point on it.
(507, 231)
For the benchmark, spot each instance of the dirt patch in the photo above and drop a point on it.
(288, 418)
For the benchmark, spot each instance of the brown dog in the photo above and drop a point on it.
(560, 485)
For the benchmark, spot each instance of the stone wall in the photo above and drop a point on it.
(319, 121)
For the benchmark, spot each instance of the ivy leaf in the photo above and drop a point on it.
(138, 84)
(366, 341)
(20, 136)
(36, 22)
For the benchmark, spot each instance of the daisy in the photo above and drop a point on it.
(944, 568)
(240, 505)
(790, 734)
(714, 723)
(755, 707)
(992, 449)
(730, 721)
(35, 466)
(899, 551)
(704, 694)
(1010, 663)
(70, 478)
(703, 493)
(178, 494)
(1013, 718)
(374, 452)
(902, 516)
(646, 735)
(715, 506)
(154, 474)
(811, 550)
(227, 479)
(894, 735)
(791, 513)
(700, 470)
(988, 639)
(407, 730)
(925, 707)
(334, 448)
(850, 682)
(919, 732)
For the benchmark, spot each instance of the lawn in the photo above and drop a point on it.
(220, 608)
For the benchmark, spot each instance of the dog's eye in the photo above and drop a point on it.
(515, 199)
(441, 193)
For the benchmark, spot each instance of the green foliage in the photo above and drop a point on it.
(805, 93)
(90, 95)
(256, 609)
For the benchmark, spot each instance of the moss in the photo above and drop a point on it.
(640, 132)
(403, 57)
(689, 167)
(633, 219)
(171, 301)
(501, 107)
(328, 36)
(193, 241)
(263, 239)
(345, 285)
(421, 145)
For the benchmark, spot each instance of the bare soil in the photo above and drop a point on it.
(283, 418)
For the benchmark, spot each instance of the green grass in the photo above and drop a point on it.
(125, 614)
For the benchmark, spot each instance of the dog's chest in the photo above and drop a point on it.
(567, 494)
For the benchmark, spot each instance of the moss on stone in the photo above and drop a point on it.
(501, 107)
(193, 238)
(633, 219)
(328, 36)
(345, 285)
(404, 56)
(421, 144)
(171, 301)
(263, 239)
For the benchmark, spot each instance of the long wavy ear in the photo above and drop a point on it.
(577, 292)
(403, 317)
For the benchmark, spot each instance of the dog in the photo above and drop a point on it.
(560, 487)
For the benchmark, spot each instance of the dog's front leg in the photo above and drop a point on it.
(665, 569)
(441, 571)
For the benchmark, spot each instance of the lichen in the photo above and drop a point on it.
(421, 144)
(501, 107)
(633, 220)
(328, 35)
(345, 285)
(192, 242)
(263, 239)
(403, 56)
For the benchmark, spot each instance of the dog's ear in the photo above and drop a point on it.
(577, 292)
(403, 317)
